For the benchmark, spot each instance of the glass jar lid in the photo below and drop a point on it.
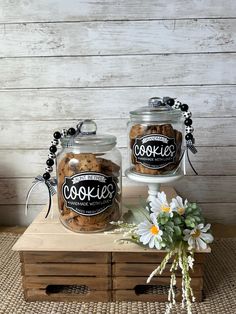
(157, 110)
(86, 138)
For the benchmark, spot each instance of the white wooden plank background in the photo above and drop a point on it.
(120, 37)
(61, 61)
(85, 10)
(125, 70)
(62, 104)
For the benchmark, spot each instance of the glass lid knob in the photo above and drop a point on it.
(87, 127)
(155, 102)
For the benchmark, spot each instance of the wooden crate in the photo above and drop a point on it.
(66, 276)
(60, 265)
(130, 272)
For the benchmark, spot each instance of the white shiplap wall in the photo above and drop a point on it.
(67, 60)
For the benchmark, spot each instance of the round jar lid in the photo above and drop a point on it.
(87, 138)
(157, 110)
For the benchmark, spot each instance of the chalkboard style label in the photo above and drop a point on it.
(89, 193)
(154, 151)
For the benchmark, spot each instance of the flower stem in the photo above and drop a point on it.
(162, 266)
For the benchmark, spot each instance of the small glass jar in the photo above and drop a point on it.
(89, 180)
(155, 138)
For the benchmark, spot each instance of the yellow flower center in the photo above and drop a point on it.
(154, 230)
(165, 209)
(196, 233)
(181, 210)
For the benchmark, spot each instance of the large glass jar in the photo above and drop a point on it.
(89, 180)
(155, 138)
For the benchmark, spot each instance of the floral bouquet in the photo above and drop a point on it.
(177, 227)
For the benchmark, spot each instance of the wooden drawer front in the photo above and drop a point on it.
(91, 296)
(136, 289)
(65, 257)
(42, 282)
(149, 257)
(66, 269)
(121, 283)
(130, 295)
(142, 270)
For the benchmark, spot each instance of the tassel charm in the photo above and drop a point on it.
(191, 147)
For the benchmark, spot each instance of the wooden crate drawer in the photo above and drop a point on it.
(141, 269)
(65, 257)
(136, 289)
(66, 269)
(42, 295)
(53, 288)
(131, 295)
(147, 257)
(42, 282)
(121, 283)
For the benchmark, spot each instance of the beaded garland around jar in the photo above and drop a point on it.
(88, 178)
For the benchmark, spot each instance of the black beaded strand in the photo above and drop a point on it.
(53, 149)
(51, 156)
(188, 121)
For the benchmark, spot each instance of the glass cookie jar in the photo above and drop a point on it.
(155, 138)
(89, 180)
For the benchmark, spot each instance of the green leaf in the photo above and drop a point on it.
(177, 220)
(136, 215)
(169, 229)
(163, 221)
(188, 210)
(197, 219)
(170, 224)
(189, 223)
(194, 206)
(170, 239)
(162, 215)
(177, 231)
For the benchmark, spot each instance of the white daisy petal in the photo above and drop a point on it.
(200, 226)
(154, 219)
(160, 233)
(173, 203)
(192, 243)
(207, 237)
(156, 203)
(151, 242)
(157, 244)
(179, 201)
(206, 228)
(146, 238)
(162, 197)
(201, 244)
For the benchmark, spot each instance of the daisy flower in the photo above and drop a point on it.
(177, 205)
(160, 204)
(150, 233)
(198, 238)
